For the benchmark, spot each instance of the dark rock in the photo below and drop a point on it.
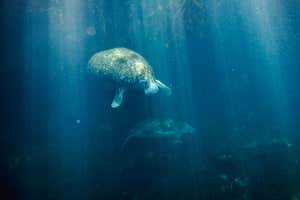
(159, 131)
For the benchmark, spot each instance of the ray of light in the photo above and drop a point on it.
(157, 38)
(263, 21)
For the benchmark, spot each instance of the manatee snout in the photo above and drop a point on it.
(151, 88)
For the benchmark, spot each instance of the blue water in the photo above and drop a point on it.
(234, 70)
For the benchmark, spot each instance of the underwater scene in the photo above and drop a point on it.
(150, 100)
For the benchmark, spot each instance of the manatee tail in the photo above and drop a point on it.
(163, 87)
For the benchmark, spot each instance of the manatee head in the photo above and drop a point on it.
(150, 86)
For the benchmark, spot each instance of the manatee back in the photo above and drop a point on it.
(121, 65)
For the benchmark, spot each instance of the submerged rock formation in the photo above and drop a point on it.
(166, 131)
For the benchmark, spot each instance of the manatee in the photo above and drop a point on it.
(128, 69)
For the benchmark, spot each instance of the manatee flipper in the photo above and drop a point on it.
(163, 87)
(117, 101)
